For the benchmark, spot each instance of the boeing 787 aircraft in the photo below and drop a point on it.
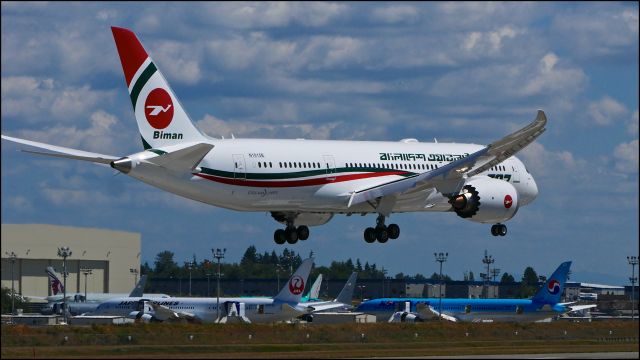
(305, 183)
(543, 305)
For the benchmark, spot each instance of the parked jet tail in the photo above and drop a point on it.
(293, 289)
(54, 282)
(161, 118)
(346, 295)
(551, 292)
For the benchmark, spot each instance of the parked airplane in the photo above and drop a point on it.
(305, 183)
(543, 305)
(340, 303)
(283, 306)
(57, 289)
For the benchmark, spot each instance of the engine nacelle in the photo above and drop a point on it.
(486, 200)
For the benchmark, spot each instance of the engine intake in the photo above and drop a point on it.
(486, 200)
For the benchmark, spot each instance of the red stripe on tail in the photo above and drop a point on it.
(131, 52)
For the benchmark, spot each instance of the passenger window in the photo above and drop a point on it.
(270, 164)
(259, 164)
(290, 166)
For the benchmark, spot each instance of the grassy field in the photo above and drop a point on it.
(314, 340)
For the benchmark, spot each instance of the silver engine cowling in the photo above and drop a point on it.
(486, 200)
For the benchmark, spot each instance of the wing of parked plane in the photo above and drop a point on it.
(343, 301)
(163, 313)
(443, 315)
(449, 177)
(581, 307)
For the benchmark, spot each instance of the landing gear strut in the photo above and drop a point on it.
(499, 230)
(381, 232)
(291, 234)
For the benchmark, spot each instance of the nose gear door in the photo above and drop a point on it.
(239, 171)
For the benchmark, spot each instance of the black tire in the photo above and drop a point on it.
(291, 235)
(279, 237)
(502, 230)
(303, 232)
(494, 230)
(370, 235)
(382, 234)
(394, 231)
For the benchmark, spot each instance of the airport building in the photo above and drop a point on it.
(109, 254)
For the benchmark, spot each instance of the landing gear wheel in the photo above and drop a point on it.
(494, 230)
(303, 232)
(291, 235)
(279, 237)
(393, 230)
(382, 234)
(369, 235)
(502, 230)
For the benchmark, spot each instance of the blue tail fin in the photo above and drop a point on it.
(551, 291)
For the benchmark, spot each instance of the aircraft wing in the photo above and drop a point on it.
(581, 307)
(443, 315)
(163, 313)
(449, 178)
(327, 305)
(63, 152)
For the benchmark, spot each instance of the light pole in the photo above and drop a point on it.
(189, 265)
(278, 269)
(208, 283)
(440, 257)
(218, 254)
(361, 287)
(633, 261)
(135, 273)
(384, 274)
(85, 271)
(487, 260)
(64, 253)
(12, 257)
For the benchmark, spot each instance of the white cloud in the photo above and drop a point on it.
(181, 62)
(606, 111)
(395, 14)
(553, 77)
(214, 126)
(37, 100)
(544, 163)
(633, 124)
(626, 157)
(490, 42)
(101, 136)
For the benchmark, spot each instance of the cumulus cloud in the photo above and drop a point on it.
(626, 157)
(37, 100)
(181, 62)
(552, 76)
(606, 111)
(395, 14)
(633, 124)
(100, 136)
(544, 163)
(254, 129)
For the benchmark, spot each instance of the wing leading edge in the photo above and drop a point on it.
(449, 178)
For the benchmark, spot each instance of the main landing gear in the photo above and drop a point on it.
(499, 230)
(382, 233)
(291, 234)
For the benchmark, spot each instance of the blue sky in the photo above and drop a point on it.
(464, 72)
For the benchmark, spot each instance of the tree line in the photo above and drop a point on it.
(255, 265)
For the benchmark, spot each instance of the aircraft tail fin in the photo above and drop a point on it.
(346, 294)
(314, 292)
(551, 291)
(293, 289)
(54, 282)
(161, 118)
(138, 290)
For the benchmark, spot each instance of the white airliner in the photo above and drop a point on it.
(284, 306)
(305, 183)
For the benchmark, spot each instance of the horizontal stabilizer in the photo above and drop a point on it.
(443, 315)
(64, 152)
(183, 159)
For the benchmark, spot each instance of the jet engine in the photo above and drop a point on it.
(486, 200)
